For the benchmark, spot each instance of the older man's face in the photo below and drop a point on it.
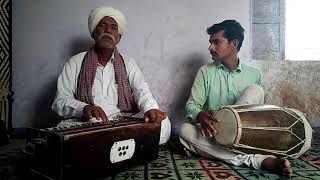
(106, 33)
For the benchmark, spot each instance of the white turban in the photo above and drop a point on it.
(98, 13)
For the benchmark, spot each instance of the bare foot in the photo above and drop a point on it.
(280, 166)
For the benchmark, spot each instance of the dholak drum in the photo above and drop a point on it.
(264, 129)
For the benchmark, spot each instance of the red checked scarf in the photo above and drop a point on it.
(126, 102)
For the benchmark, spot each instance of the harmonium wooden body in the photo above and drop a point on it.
(92, 149)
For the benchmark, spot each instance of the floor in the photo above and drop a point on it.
(172, 164)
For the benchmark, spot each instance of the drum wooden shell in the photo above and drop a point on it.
(264, 129)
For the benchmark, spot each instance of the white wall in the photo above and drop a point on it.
(167, 38)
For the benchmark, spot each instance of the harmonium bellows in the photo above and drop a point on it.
(92, 149)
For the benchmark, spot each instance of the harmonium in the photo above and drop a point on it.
(92, 150)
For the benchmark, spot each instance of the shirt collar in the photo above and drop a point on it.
(112, 57)
(110, 60)
(238, 69)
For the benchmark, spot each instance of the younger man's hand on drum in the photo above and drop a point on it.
(208, 123)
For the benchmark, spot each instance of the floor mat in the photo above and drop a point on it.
(172, 165)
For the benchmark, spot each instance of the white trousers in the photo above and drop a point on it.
(192, 139)
(164, 134)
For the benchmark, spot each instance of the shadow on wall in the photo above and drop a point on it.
(79, 44)
(183, 78)
(188, 71)
(44, 116)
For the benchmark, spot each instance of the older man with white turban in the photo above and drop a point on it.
(101, 83)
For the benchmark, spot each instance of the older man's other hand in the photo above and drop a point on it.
(154, 116)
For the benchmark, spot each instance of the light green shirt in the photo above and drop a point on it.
(214, 87)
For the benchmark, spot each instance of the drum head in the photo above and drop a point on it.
(227, 128)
